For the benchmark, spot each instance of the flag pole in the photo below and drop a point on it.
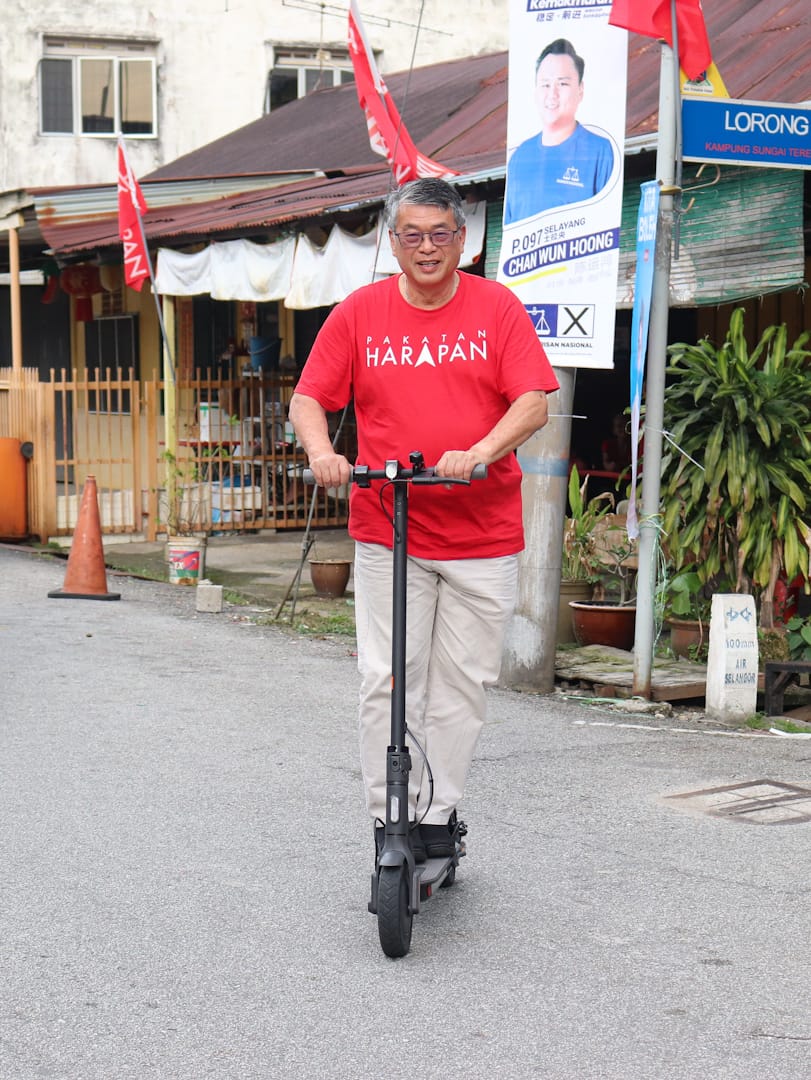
(650, 519)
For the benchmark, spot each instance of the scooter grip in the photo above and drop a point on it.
(308, 478)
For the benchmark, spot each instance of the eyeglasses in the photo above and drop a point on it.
(438, 237)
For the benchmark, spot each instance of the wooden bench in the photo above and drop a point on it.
(777, 676)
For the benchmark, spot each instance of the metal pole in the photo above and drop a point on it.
(16, 301)
(655, 382)
(169, 383)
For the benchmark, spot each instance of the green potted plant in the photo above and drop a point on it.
(580, 562)
(184, 513)
(686, 611)
(737, 467)
(579, 571)
(597, 547)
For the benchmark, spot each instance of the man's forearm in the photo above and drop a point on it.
(309, 420)
(526, 415)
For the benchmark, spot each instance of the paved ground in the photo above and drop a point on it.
(186, 863)
(259, 566)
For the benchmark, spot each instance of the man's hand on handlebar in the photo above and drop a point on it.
(331, 470)
(458, 464)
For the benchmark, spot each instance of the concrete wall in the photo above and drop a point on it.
(213, 59)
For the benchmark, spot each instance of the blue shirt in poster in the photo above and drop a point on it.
(540, 177)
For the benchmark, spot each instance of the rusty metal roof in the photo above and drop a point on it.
(455, 112)
(327, 131)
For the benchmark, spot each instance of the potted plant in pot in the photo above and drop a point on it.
(579, 571)
(609, 562)
(737, 468)
(686, 609)
(184, 512)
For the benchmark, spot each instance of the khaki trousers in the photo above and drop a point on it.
(457, 615)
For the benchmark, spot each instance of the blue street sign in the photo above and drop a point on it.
(746, 132)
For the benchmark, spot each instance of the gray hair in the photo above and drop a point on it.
(427, 191)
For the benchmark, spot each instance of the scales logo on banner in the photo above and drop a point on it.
(563, 196)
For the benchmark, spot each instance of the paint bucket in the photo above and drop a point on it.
(186, 560)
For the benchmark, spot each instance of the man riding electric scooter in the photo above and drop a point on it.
(447, 363)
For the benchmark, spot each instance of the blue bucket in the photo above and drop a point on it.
(264, 353)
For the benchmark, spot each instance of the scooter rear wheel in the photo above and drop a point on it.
(393, 917)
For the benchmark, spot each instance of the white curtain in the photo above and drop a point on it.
(234, 270)
(294, 270)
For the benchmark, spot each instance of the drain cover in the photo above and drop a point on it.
(756, 802)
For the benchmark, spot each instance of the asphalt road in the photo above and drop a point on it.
(185, 872)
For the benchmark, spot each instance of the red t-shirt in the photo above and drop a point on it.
(431, 381)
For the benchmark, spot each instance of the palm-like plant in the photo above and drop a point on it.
(581, 561)
(737, 510)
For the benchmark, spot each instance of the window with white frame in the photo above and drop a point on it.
(298, 72)
(98, 87)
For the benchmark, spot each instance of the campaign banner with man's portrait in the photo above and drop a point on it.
(563, 194)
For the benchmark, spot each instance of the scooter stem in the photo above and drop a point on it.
(398, 759)
(399, 605)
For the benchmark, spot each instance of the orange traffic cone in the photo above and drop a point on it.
(86, 576)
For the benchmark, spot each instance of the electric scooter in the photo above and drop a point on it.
(399, 884)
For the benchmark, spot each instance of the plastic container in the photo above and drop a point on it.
(264, 353)
(13, 491)
(186, 560)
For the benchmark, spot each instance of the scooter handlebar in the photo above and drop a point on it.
(362, 474)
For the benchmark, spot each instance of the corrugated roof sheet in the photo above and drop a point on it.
(456, 112)
(326, 130)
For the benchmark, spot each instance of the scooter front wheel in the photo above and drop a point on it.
(393, 917)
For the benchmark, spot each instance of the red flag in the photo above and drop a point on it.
(387, 133)
(131, 205)
(651, 18)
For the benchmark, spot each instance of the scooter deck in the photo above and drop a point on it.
(433, 871)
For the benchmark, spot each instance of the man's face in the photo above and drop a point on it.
(429, 263)
(558, 93)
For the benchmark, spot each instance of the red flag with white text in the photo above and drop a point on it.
(651, 18)
(131, 207)
(388, 135)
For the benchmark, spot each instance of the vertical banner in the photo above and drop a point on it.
(640, 321)
(563, 196)
(387, 133)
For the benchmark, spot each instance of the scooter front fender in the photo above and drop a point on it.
(393, 857)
